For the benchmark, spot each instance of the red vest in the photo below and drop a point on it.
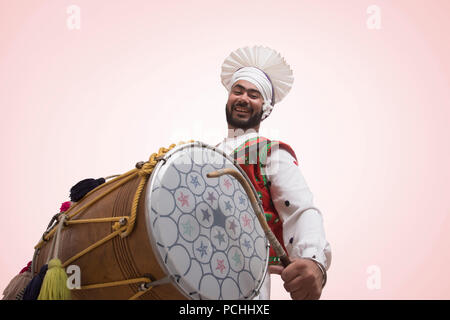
(252, 156)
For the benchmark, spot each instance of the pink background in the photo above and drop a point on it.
(368, 117)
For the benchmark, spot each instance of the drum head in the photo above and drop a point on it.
(204, 231)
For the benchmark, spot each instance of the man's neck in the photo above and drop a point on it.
(237, 132)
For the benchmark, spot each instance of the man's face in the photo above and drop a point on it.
(244, 105)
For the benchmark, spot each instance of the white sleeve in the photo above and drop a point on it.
(303, 231)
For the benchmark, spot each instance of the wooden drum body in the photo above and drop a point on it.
(193, 237)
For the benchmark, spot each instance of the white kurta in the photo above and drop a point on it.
(303, 231)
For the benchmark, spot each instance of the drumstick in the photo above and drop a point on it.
(262, 220)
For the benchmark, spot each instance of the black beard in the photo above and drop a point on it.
(252, 122)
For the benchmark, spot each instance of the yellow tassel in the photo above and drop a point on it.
(54, 286)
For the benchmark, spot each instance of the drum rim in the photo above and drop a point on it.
(149, 228)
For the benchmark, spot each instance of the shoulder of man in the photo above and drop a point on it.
(273, 145)
(263, 147)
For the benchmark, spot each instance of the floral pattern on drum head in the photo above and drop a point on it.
(210, 236)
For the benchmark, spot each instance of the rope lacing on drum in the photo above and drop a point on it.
(122, 226)
(144, 172)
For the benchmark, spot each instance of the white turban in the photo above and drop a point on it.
(262, 66)
(261, 81)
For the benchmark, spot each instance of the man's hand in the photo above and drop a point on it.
(302, 279)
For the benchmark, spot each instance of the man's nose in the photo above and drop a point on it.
(244, 98)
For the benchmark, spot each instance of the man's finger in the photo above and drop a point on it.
(296, 268)
(294, 284)
(292, 271)
(300, 294)
(276, 269)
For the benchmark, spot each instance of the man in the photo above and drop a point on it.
(256, 79)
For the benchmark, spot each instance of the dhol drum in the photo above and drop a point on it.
(192, 237)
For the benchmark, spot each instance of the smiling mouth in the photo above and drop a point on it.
(241, 110)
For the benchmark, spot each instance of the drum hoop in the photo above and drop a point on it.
(149, 229)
